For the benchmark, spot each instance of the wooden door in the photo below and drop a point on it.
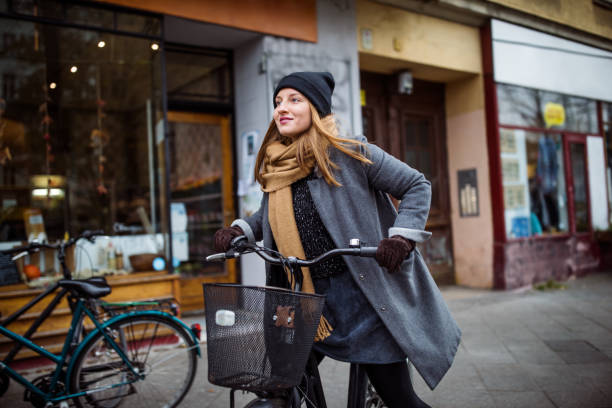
(412, 128)
(201, 181)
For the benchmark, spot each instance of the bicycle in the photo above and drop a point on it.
(259, 339)
(129, 355)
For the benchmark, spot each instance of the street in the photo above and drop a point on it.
(527, 348)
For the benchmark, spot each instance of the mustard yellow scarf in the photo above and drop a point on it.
(280, 170)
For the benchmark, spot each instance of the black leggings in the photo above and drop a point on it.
(393, 384)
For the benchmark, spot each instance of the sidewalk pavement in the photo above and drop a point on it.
(525, 348)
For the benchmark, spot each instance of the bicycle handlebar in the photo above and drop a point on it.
(240, 247)
(60, 247)
(37, 246)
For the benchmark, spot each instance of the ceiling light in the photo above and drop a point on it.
(73, 69)
(101, 44)
(51, 192)
(155, 46)
(52, 85)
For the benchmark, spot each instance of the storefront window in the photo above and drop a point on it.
(81, 128)
(533, 108)
(535, 202)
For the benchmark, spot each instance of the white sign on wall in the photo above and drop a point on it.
(597, 182)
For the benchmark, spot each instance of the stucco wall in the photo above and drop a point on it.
(467, 149)
(426, 42)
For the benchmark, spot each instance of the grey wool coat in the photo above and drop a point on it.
(408, 301)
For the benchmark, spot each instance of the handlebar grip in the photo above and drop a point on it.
(368, 251)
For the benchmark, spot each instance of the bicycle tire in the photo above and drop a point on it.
(167, 356)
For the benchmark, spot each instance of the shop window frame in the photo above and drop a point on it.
(566, 139)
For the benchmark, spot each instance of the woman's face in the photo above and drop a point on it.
(292, 113)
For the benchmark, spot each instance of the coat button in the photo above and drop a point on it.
(361, 276)
(383, 309)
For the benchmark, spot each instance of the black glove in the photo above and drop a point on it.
(224, 236)
(392, 252)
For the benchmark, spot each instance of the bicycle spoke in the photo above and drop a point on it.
(104, 376)
(151, 343)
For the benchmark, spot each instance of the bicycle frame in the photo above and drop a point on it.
(60, 360)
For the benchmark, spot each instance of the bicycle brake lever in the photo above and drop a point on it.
(216, 257)
(238, 241)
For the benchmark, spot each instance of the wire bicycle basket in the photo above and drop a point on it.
(259, 338)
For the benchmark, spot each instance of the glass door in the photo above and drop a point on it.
(578, 192)
(201, 186)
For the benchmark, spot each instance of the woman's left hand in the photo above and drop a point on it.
(392, 252)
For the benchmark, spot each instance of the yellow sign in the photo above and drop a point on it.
(363, 101)
(554, 114)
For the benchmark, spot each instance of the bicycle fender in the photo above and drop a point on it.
(122, 317)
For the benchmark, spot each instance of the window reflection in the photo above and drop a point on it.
(90, 134)
(535, 202)
(526, 107)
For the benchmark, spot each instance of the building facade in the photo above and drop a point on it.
(144, 119)
(517, 151)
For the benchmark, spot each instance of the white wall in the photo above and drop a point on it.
(536, 60)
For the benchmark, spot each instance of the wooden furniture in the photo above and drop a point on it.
(51, 334)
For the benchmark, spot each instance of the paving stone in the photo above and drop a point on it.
(575, 357)
(536, 352)
(584, 398)
(522, 399)
(467, 398)
(488, 351)
(557, 378)
(505, 377)
(570, 345)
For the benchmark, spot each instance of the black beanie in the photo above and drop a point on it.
(316, 86)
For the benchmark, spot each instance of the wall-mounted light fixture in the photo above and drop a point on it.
(404, 82)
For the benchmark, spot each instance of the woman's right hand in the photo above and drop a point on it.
(224, 237)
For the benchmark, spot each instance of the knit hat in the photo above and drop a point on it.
(316, 86)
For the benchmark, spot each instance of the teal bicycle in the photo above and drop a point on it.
(130, 356)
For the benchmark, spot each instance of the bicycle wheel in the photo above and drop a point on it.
(162, 353)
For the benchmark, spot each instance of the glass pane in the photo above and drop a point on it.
(519, 106)
(90, 16)
(48, 9)
(198, 77)
(533, 179)
(581, 205)
(82, 116)
(137, 23)
(197, 166)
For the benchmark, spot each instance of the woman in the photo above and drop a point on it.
(320, 191)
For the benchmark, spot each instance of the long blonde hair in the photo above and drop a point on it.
(313, 144)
